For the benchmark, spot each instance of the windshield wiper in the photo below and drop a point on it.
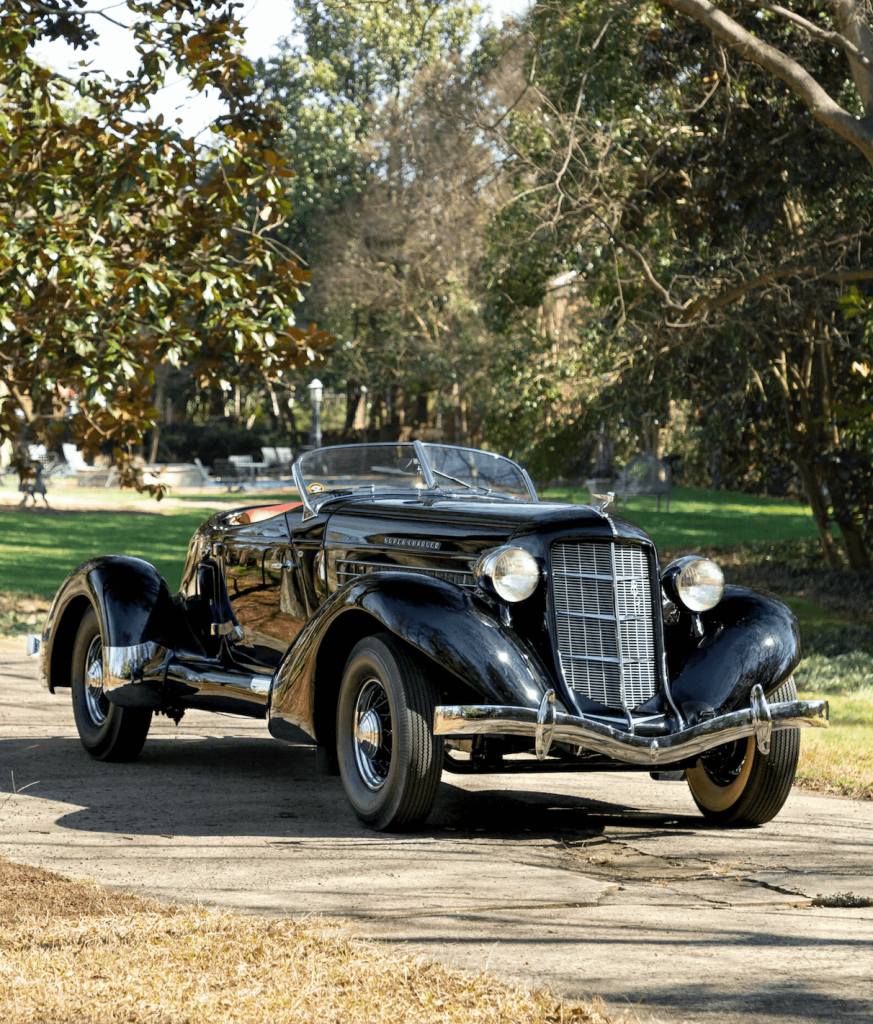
(462, 483)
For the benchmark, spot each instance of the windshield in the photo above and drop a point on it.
(413, 467)
(471, 469)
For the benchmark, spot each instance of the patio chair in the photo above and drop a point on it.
(75, 459)
(226, 472)
(285, 457)
(245, 465)
(272, 462)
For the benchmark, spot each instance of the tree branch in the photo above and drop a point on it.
(853, 21)
(703, 306)
(834, 38)
(858, 131)
(43, 9)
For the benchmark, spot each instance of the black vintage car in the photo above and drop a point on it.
(420, 611)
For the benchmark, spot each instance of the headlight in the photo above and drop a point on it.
(694, 583)
(512, 573)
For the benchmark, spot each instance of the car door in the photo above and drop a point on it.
(264, 586)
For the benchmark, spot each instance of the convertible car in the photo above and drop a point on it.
(419, 610)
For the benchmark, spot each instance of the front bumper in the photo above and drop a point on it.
(546, 725)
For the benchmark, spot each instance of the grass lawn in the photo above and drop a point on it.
(38, 550)
(707, 518)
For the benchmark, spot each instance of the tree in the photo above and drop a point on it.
(709, 260)
(399, 277)
(390, 213)
(846, 25)
(331, 85)
(123, 243)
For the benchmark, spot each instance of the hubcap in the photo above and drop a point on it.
(96, 704)
(369, 733)
(373, 734)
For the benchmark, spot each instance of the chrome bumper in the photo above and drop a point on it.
(546, 726)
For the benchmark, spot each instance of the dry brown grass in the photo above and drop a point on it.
(72, 952)
(838, 762)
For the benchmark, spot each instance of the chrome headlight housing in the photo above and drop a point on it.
(511, 573)
(694, 583)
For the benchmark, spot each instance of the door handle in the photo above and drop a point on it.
(283, 565)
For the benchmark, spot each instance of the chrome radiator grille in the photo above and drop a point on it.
(605, 633)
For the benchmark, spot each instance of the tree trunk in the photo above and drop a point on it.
(812, 489)
(853, 20)
(856, 548)
(160, 392)
(353, 400)
(853, 537)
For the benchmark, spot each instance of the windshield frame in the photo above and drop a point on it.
(433, 487)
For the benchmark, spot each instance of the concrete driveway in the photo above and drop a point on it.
(591, 884)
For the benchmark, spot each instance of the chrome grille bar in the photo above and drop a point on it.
(605, 630)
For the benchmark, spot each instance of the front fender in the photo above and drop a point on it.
(749, 638)
(456, 630)
(137, 619)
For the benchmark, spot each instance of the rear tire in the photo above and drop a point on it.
(736, 785)
(389, 759)
(107, 732)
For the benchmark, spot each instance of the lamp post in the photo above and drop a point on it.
(316, 390)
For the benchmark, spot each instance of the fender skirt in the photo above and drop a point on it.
(138, 621)
(456, 629)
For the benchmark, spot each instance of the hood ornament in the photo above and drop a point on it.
(603, 499)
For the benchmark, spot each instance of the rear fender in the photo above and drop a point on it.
(139, 623)
(750, 638)
(456, 630)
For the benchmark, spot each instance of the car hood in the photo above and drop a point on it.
(514, 519)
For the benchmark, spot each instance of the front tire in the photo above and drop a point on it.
(737, 785)
(389, 759)
(107, 732)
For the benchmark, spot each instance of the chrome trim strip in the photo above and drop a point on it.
(308, 510)
(393, 567)
(530, 485)
(261, 684)
(545, 729)
(485, 719)
(124, 665)
(448, 575)
(622, 663)
(429, 477)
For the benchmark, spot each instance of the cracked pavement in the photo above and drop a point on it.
(606, 884)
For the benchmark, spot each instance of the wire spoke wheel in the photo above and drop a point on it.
(373, 734)
(108, 732)
(96, 704)
(389, 759)
(735, 784)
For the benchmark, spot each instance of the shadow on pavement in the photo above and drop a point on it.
(259, 787)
